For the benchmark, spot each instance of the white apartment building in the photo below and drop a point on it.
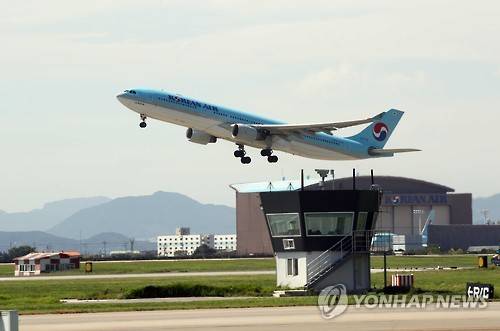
(172, 245)
(224, 242)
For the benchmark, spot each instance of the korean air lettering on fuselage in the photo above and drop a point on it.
(189, 103)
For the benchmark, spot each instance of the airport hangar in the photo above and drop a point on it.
(406, 204)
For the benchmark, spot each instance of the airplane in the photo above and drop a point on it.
(207, 123)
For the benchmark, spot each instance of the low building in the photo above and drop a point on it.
(176, 245)
(224, 242)
(36, 263)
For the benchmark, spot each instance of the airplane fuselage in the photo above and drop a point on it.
(217, 121)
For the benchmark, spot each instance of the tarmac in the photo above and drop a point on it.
(267, 319)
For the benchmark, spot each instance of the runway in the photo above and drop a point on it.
(267, 319)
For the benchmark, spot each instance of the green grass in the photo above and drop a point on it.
(249, 264)
(178, 290)
(100, 268)
(447, 281)
(6, 270)
(43, 296)
(423, 261)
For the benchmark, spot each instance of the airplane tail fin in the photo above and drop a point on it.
(377, 134)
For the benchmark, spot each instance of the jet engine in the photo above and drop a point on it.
(247, 132)
(200, 137)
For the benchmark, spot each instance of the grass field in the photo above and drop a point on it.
(251, 264)
(43, 296)
(164, 266)
(447, 281)
(423, 261)
(6, 270)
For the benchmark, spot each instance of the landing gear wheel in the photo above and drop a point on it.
(143, 121)
(239, 153)
(272, 159)
(246, 160)
(266, 152)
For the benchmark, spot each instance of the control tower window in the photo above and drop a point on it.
(284, 225)
(328, 224)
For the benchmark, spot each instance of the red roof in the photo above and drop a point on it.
(47, 255)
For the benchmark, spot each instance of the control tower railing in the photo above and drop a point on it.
(357, 242)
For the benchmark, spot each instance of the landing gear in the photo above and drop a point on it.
(240, 152)
(269, 153)
(272, 159)
(266, 152)
(143, 123)
(246, 160)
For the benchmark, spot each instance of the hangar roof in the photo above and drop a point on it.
(272, 186)
(389, 184)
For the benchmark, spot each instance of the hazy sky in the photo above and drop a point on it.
(64, 134)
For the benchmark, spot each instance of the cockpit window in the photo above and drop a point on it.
(132, 92)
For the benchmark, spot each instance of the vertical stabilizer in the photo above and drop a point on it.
(378, 133)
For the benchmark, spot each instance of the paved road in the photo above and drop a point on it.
(146, 275)
(267, 319)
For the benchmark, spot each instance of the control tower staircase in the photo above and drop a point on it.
(334, 257)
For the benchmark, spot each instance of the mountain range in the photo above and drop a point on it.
(92, 221)
(148, 216)
(46, 217)
(61, 224)
(94, 245)
(491, 204)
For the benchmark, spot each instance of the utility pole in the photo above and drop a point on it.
(132, 242)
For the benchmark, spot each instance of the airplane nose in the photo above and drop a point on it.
(121, 97)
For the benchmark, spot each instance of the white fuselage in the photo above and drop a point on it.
(217, 122)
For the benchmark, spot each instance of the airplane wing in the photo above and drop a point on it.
(313, 128)
(391, 152)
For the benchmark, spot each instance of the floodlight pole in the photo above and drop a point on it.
(302, 179)
(385, 270)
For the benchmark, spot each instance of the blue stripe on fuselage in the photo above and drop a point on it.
(226, 115)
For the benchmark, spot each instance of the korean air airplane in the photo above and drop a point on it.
(207, 123)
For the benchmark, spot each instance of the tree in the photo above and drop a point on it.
(19, 251)
(204, 251)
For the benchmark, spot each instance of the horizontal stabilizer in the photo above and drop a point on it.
(391, 152)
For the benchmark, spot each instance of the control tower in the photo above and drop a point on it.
(322, 238)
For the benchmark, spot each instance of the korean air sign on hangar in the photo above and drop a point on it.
(414, 199)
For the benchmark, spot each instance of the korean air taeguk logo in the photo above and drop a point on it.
(380, 131)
